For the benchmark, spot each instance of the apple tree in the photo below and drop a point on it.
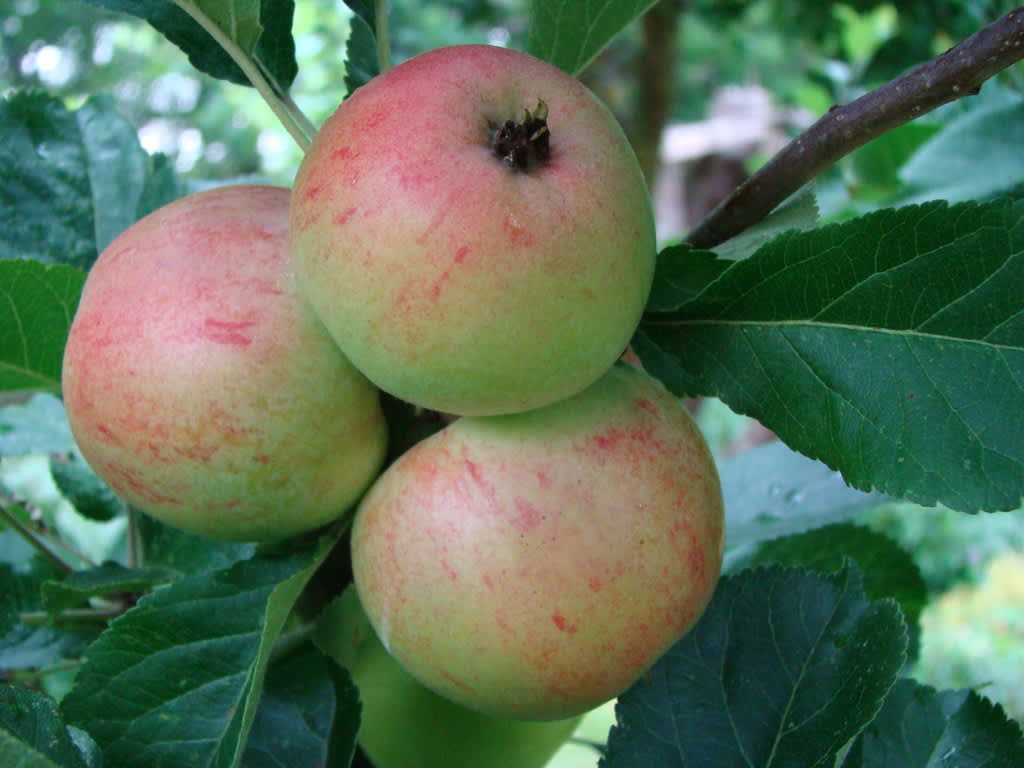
(142, 625)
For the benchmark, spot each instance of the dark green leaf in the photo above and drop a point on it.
(38, 426)
(275, 48)
(569, 34)
(407, 424)
(45, 189)
(177, 680)
(294, 717)
(919, 727)
(31, 647)
(888, 569)
(365, 10)
(31, 733)
(784, 668)
(975, 157)
(361, 63)
(662, 365)
(9, 602)
(90, 496)
(891, 347)
(260, 28)
(680, 273)
(37, 304)
(106, 579)
(72, 180)
(772, 491)
(341, 744)
(341, 633)
(187, 552)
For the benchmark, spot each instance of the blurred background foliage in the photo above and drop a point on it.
(805, 55)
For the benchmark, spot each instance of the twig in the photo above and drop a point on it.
(135, 549)
(77, 615)
(958, 72)
(35, 540)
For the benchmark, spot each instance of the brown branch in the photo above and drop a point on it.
(958, 72)
(655, 80)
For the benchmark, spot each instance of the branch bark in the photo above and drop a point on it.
(655, 78)
(958, 72)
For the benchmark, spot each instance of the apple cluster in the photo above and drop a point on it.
(469, 232)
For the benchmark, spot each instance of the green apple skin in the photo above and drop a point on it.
(451, 280)
(535, 565)
(405, 725)
(202, 390)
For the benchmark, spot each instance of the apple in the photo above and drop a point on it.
(535, 565)
(473, 229)
(199, 386)
(405, 725)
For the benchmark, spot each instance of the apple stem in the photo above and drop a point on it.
(526, 145)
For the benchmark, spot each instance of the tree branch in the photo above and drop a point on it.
(32, 538)
(655, 80)
(958, 72)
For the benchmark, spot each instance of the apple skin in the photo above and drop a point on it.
(405, 725)
(451, 280)
(202, 390)
(535, 565)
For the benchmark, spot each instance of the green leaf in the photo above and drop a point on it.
(37, 304)
(32, 735)
(260, 28)
(187, 552)
(275, 48)
(888, 569)
(919, 727)
(163, 186)
(569, 34)
(294, 718)
(798, 211)
(106, 579)
(772, 491)
(890, 347)
(680, 273)
(87, 493)
(361, 63)
(10, 602)
(72, 181)
(341, 743)
(177, 680)
(31, 647)
(975, 157)
(874, 169)
(38, 426)
(784, 668)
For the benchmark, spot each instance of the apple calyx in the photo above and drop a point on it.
(526, 145)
